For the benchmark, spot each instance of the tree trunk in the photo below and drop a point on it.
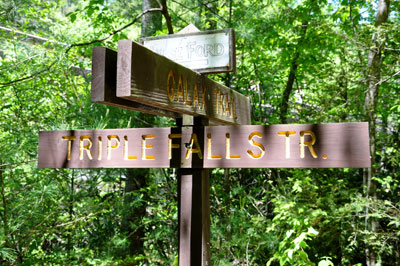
(152, 21)
(136, 178)
(197, 17)
(371, 99)
(4, 204)
(291, 77)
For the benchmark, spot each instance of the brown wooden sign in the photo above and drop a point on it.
(154, 80)
(104, 84)
(336, 145)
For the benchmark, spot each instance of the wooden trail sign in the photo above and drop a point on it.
(336, 145)
(154, 80)
(137, 78)
(204, 51)
(104, 84)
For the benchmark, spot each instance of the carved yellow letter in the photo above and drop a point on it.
(147, 146)
(287, 141)
(228, 148)
(196, 149)
(216, 101)
(112, 146)
(181, 91)
(196, 97)
(209, 152)
(70, 139)
(126, 147)
(83, 147)
(99, 154)
(173, 146)
(309, 144)
(204, 93)
(171, 90)
(256, 144)
(187, 101)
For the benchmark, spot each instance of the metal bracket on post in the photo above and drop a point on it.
(194, 206)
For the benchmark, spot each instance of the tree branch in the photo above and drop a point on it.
(214, 13)
(21, 62)
(17, 163)
(366, 47)
(160, 9)
(391, 49)
(208, 8)
(2, 85)
(167, 16)
(78, 219)
(31, 36)
(386, 79)
(292, 76)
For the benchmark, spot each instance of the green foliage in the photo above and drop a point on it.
(259, 216)
(292, 251)
(326, 262)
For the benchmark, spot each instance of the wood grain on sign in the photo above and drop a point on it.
(104, 83)
(336, 145)
(204, 51)
(151, 79)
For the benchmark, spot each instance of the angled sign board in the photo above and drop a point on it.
(204, 51)
(336, 145)
(104, 84)
(154, 80)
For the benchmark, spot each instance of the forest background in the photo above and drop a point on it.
(299, 61)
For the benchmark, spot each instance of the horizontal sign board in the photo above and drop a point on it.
(337, 145)
(148, 78)
(108, 148)
(204, 51)
(104, 84)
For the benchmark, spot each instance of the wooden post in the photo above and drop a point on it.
(194, 205)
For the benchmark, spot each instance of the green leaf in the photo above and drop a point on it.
(72, 17)
(311, 231)
(325, 262)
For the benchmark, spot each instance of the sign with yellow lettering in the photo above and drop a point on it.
(154, 80)
(336, 145)
(104, 84)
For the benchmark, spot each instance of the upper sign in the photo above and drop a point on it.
(284, 146)
(104, 84)
(203, 52)
(154, 80)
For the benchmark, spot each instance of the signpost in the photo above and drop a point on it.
(202, 51)
(136, 78)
